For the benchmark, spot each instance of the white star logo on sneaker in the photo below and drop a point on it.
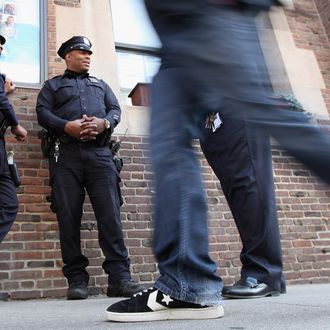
(167, 299)
(152, 302)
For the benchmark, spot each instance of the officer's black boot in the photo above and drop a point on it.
(4, 296)
(77, 290)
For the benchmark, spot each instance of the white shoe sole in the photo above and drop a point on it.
(212, 312)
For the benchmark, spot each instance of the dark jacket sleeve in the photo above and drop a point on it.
(112, 106)
(5, 107)
(45, 105)
(262, 3)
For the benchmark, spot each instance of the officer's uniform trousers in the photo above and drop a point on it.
(240, 156)
(83, 166)
(8, 197)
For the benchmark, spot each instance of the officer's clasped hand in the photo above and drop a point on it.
(86, 128)
(73, 128)
(91, 127)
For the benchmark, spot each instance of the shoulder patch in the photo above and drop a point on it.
(93, 79)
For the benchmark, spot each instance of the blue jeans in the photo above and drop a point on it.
(181, 232)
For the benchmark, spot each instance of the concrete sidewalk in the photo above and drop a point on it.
(303, 307)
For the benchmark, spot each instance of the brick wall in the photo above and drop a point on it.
(323, 7)
(30, 260)
(31, 257)
(56, 65)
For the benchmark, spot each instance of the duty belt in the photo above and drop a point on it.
(102, 140)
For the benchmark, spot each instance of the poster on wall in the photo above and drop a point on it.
(20, 25)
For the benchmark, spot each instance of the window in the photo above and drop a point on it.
(134, 67)
(131, 24)
(136, 51)
(22, 23)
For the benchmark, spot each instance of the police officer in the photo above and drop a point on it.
(8, 197)
(80, 110)
(238, 154)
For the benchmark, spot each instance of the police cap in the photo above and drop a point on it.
(2, 40)
(77, 42)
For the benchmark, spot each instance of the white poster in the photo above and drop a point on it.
(20, 25)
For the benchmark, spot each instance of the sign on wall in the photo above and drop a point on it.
(20, 25)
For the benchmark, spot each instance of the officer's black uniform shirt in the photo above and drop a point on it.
(6, 108)
(70, 96)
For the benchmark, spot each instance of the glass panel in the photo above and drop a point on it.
(131, 69)
(134, 68)
(151, 64)
(131, 15)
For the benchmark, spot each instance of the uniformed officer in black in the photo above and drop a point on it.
(240, 156)
(79, 109)
(8, 197)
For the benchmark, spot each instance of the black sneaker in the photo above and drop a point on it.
(154, 305)
(124, 288)
(77, 290)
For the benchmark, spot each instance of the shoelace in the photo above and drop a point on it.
(143, 291)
